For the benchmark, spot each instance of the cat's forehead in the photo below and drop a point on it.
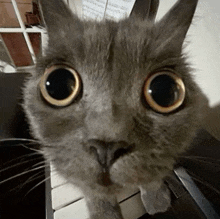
(111, 46)
(127, 34)
(122, 46)
(126, 27)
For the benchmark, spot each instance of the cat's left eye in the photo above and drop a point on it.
(60, 85)
(164, 91)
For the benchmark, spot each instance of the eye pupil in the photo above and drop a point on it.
(164, 90)
(60, 84)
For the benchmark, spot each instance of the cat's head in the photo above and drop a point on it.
(113, 102)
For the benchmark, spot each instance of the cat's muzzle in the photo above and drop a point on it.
(108, 152)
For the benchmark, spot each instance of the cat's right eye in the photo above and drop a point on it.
(164, 91)
(60, 85)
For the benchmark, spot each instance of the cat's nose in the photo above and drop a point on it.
(108, 152)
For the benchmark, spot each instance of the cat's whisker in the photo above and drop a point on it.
(15, 165)
(19, 139)
(33, 149)
(201, 157)
(34, 177)
(21, 174)
(205, 183)
(29, 180)
(38, 185)
(42, 162)
(206, 160)
(18, 163)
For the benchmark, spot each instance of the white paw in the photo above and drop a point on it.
(156, 201)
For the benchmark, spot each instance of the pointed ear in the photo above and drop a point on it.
(145, 9)
(174, 25)
(58, 18)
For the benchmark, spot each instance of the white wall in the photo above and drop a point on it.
(203, 45)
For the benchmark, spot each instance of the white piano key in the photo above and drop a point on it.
(125, 193)
(133, 208)
(56, 178)
(64, 195)
(77, 210)
(68, 193)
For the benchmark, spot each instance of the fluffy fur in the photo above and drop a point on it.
(113, 61)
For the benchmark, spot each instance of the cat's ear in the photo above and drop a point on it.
(174, 25)
(146, 9)
(59, 19)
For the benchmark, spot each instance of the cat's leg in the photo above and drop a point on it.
(155, 197)
(103, 207)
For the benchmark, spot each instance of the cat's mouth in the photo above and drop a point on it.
(104, 178)
(106, 158)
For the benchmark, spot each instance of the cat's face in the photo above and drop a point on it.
(110, 134)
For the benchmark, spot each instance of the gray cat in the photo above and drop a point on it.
(114, 103)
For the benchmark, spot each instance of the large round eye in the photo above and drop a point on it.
(60, 85)
(164, 91)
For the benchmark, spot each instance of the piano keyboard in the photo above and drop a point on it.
(65, 201)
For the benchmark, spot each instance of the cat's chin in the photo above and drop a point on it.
(112, 181)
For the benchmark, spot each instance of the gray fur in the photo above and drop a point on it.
(113, 61)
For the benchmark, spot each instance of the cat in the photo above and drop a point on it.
(113, 104)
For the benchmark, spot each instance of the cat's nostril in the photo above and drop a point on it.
(122, 149)
(108, 152)
(119, 152)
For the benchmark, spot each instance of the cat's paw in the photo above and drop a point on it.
(156, 201)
